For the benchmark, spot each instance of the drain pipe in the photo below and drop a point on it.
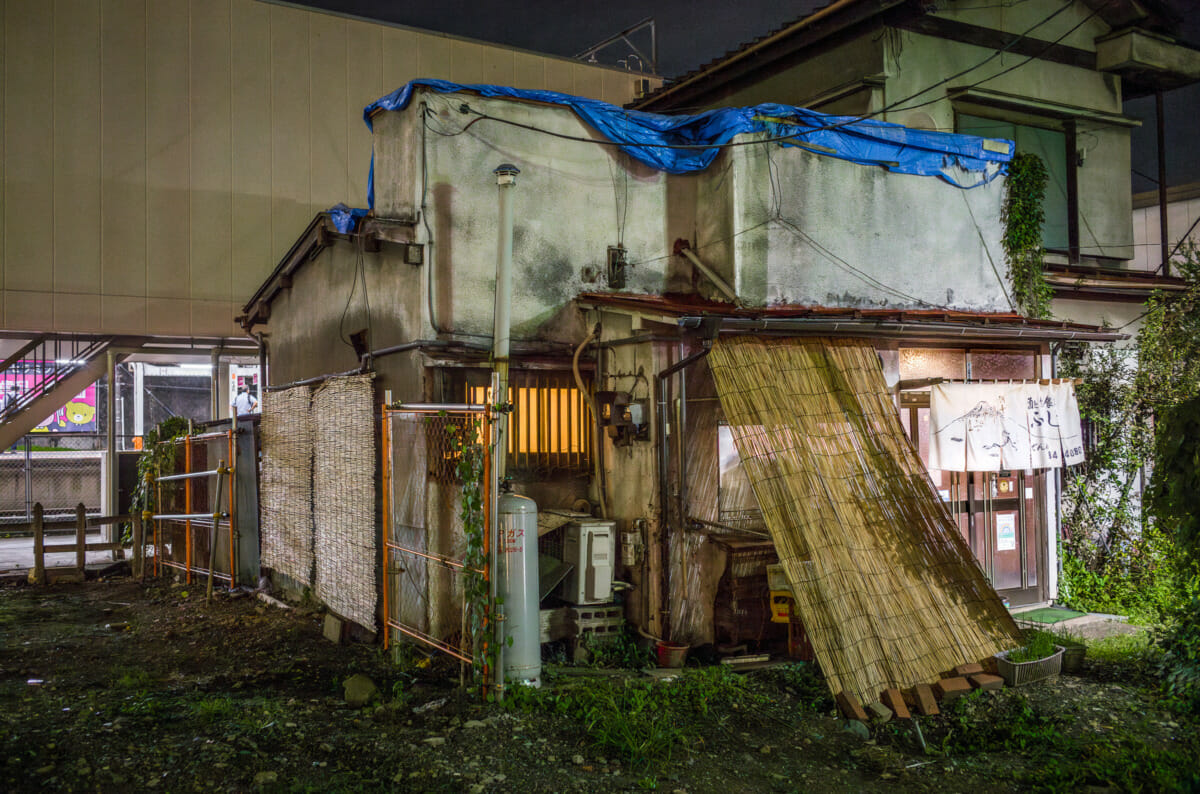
(110, 446)
(597, 439)
(506, 180)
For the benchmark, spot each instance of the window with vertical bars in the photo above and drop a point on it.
(550, 426)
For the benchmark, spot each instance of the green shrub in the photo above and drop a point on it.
(1180, 664)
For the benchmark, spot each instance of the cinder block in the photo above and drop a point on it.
(950, 688)
(850, 707)
(878, 712)
(965, 670)
(986, 681)
(894, 700)
(926, 703)
(334, 629)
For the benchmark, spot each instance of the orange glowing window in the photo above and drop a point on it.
(550, 425)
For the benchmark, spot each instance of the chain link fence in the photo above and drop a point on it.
(60, 470)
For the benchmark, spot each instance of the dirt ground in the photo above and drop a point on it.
(120, 686)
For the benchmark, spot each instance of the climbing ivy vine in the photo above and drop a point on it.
(468, 452)
(1022, 216)
(156, 458)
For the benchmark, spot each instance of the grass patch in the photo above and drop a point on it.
(213, 709)
(132, 679)
(1123, 649)
(801, 680)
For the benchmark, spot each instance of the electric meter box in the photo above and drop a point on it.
(590, 547)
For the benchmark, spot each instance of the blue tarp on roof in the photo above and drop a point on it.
(655, 139)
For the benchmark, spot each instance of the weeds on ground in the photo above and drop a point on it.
(131, 679)
(985, 723)
(802, 680)
(982, 722)
(638, 719)
(619, 652)
(213, 709)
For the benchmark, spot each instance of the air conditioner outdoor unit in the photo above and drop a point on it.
(590, 547)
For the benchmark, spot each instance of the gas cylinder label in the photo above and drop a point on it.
(513, 540)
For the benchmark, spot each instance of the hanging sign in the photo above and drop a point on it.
(994, 426)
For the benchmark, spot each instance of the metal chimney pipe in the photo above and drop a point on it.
(506, 180)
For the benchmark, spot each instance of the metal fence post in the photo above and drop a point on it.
(38, 575)
(139, 548)
(80, 537)
(28, 480)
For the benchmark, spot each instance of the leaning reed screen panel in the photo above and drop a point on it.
(285, 487)
(887, 588)
(344, 497)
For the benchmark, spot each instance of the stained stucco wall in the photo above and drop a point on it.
(158, 157)
(852, 235)
(781, 224)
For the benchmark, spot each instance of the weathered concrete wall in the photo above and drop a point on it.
(779, 223)
(830, 80)
(572, 201)
(852, 235)
(310, 321)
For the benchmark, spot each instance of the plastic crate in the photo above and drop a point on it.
(1018, 673)
(777, 579)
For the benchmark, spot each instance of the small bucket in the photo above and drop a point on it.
(670, 654)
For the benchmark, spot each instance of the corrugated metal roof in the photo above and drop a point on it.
(690, 306)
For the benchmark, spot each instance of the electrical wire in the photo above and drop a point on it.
(987, 251)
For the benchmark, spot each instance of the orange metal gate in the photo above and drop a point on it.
(178, 517)
(421, 492)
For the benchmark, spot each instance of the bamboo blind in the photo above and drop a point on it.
(286, 483)
(344, 497)
(886, 586)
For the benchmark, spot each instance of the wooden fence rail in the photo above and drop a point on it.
(80, 546)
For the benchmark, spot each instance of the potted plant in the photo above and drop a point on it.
(1040, 657)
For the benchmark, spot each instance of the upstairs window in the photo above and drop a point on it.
(1051, 146)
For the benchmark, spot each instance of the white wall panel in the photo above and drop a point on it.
(28, 152)
(168, 150)
(210, 118)
(123, 148)
(159, 157)
(76, 114)
(251, 146)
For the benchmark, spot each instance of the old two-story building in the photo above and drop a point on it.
(1052, 77)
(745, 297)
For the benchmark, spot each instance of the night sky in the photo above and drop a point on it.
(693, 32)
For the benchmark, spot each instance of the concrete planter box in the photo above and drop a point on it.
(1018, 673)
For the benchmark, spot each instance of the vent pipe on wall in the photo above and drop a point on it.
(506, 180)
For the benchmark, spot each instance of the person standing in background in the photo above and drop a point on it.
(244, 402)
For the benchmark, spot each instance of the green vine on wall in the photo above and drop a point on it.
(468, 453)
(1022, 216)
